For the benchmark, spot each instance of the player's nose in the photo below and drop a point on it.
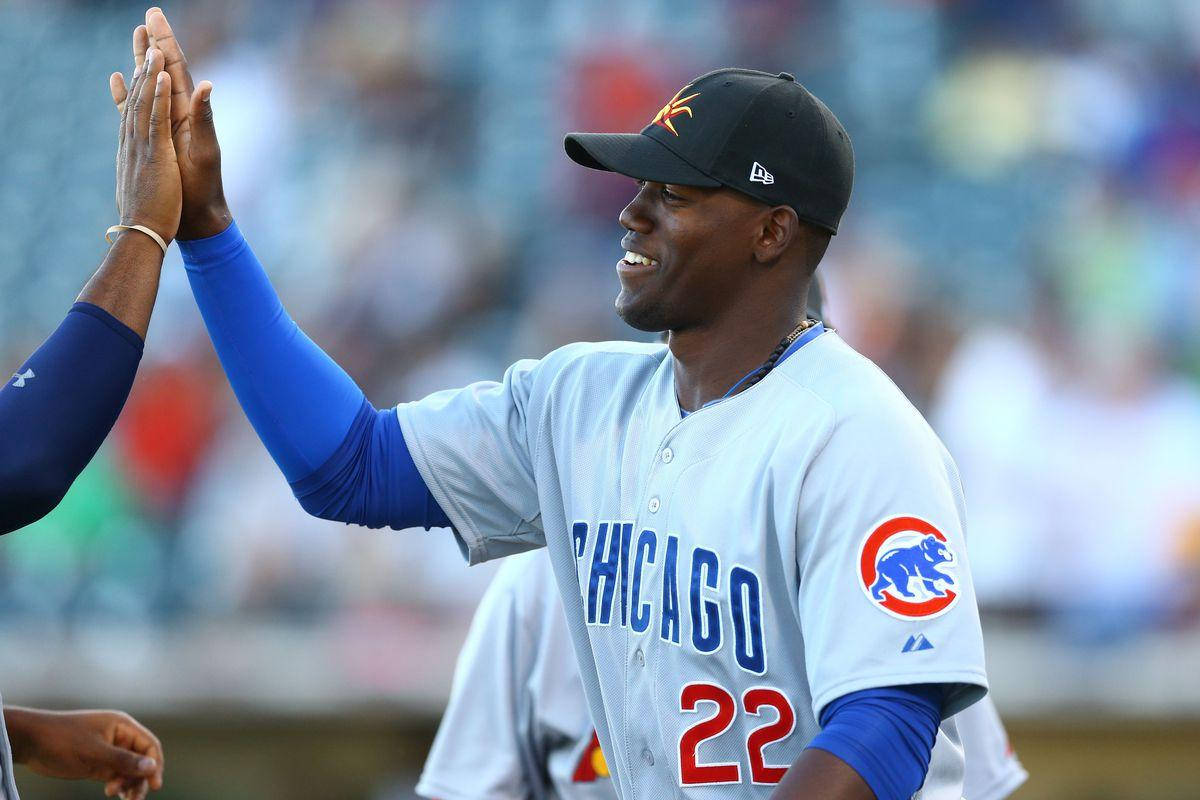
(634, 217)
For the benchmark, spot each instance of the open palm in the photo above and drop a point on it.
(205, 212)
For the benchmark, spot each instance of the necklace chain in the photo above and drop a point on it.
(804, 325)
(772, 359)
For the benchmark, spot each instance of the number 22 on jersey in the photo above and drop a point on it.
(755, 701)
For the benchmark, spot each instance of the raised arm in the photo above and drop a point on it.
(344, 459)
(62, 401)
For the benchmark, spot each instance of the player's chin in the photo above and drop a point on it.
(640, 311)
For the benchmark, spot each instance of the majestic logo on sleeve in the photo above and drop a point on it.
(19, 378)
(906, 568)
(673, 109)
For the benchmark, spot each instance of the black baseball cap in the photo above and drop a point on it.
(764, 135)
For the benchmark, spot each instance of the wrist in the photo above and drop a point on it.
(202, 253)
(22, 725)
(138, 243)
(205, 222)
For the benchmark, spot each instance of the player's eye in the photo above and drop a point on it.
(664, 192)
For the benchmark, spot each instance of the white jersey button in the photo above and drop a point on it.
(667, 455)
(640, 657)
(647, 756)
(653, 505)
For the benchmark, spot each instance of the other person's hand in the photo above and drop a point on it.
(108, 746)
(205, 212)
(149, 191)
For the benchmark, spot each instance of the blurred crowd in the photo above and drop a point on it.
(1020, 255)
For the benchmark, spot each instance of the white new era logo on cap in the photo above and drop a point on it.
(759, 174)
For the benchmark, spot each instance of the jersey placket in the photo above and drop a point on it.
(645, 748)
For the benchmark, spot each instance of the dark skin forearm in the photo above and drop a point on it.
(207, 221)
(126, 283)
(21, 725)
(818, 775)
(148, 194)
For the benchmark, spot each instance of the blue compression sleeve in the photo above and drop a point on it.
(345, 460)
(299, 401)
(58, 407)
(886, 735)
(371, 480)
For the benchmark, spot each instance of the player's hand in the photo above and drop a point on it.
(205, 212)
(148, 183)
(108, 746)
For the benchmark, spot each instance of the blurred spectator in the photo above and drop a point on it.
(1020, 256)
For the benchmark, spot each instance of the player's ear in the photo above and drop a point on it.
(778, 229)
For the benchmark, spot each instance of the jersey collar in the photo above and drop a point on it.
(808, 336)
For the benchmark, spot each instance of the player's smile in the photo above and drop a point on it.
(724, 549)
(684, 246)
(636, 261)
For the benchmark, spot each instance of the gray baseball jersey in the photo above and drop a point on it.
(517, 725)
(8, 785)
(725, 574)
(993, 770)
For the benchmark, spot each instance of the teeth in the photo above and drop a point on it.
(636, 258)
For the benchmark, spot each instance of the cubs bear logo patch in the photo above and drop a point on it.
(908, 569)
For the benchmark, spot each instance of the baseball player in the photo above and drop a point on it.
(517, 725)
(58, 407)
(757, 540)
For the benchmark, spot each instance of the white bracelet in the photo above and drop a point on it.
(117, 228)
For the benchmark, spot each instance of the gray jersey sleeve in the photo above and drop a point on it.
(483, 749)
(472, 447)
(885, 590)
(517, 725)
(993, 770)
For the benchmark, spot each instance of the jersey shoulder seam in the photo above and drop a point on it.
(899, 404)
(834, 416)
(581, 352)
(852, 356)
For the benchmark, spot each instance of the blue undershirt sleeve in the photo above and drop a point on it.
(886, 735)
(344, 459)
(371, 479)
(57, 408)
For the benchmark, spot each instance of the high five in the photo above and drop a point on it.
(757, 540)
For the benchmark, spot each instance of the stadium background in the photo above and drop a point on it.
(1020, 255)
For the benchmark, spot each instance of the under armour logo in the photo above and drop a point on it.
(19, 378)
(759, 174)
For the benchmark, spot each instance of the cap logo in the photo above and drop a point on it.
(759, 174)
(674, 109)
